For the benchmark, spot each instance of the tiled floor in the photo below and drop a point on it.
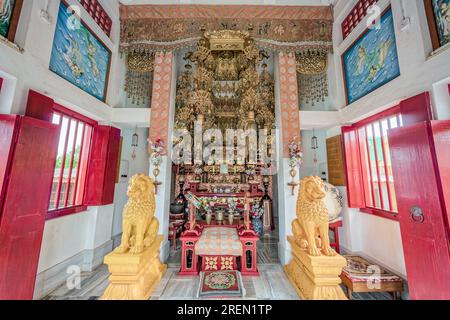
(272, 283)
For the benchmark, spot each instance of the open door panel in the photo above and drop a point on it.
(26, 199)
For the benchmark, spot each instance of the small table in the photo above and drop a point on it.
(358, 277)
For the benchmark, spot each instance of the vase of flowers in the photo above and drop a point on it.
(156, 150)
(295, 161)
(256, 214)
(232, 205)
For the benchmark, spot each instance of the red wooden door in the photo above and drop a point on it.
(8, 125)
(421, 213)
(25, 206)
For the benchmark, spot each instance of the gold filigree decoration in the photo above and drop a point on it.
(138, 80)
(312, 62)
(312, 76)
(227, 40)
(226, 88)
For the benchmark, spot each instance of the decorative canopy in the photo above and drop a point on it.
(146, 28)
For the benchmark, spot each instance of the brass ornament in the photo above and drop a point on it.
(312, 68)
(312, 62)
(139, 76)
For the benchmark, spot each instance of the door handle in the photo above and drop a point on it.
(417, 214)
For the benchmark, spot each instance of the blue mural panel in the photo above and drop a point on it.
(441, 10)
(79, 56)
(372, 61)
(6, 11)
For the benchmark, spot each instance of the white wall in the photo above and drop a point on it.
(136, 166)
(77, 241)
(80, 239)
(377, 238)
(309, 166)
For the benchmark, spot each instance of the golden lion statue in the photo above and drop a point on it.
(311, 228)
(140, 227)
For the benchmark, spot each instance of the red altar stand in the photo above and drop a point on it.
(249, 259)
(189, 259)
(334, 227)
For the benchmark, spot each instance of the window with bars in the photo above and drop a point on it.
(376, 163)
(71, 165)
(367, 150)
(356, 15)
(98, 13)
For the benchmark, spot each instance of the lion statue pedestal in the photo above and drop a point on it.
(135, 266)
(134, 276)
(315, 267)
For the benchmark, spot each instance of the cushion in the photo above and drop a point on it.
(360, 270)
(219, 241)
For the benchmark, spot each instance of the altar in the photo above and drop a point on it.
(218, 245)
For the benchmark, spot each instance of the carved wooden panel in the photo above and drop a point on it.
(336, 169)
(162, 86)
(289, 100)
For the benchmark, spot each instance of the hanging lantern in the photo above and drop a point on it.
(135, 140)
(314, 141)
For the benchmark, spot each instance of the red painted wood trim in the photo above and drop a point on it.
(379, 116)
(416, 109)
(39, 106)
(365, 173)
(99, 14)
(95, 181)
(352, 160)
(77, 179)
(63, 163)
(369, 161)
(8, 134)
(377, 163)
(70, 113)
(356, 15)
(112, 161)
(1, 84)
(23, 218)
(441, 146)
(74, 143)
(386, 170)
(54, 214)
(380, 213)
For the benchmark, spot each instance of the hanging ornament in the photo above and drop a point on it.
(138, 83)
(312, 76)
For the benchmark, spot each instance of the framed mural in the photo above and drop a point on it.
(78, 55)
(9, 18)
(438, 15)
(372, 60)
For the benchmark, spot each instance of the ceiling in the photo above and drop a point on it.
(231, 2)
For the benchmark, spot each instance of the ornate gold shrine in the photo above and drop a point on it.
(229, 86)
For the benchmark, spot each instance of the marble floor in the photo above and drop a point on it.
(272, 284)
